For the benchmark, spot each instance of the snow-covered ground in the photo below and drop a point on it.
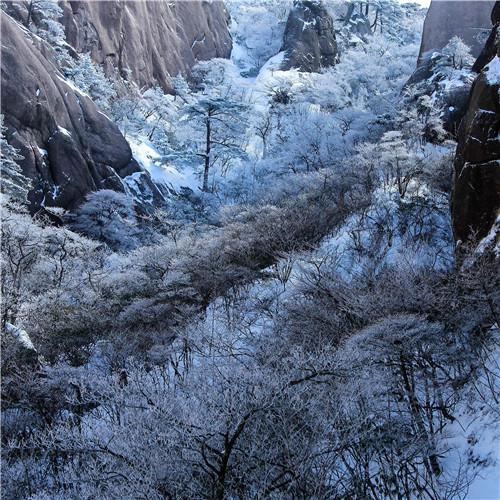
(162, 172)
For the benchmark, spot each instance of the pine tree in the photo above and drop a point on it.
(12, 181)
(218, 115)
(90, 78)
(222, 125)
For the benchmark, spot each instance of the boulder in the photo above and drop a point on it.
(309, 40)
(70, 148)
(476, 185)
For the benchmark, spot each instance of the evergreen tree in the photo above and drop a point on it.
(218, 116)
(90, 78)
(220, 120)
(13, 182)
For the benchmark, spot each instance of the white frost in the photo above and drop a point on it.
(64, 131)
(20, 335)
(161, 172)
(72, 86)
(493, 71)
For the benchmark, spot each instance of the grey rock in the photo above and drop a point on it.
(70, 148)
(309, 41)
(468, 19)
(148, 42)
(476, 184)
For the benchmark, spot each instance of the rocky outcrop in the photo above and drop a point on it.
(70, 148)
(468, 19)
(309, 41)
(489, 50)
(148, 41)
(476, 189)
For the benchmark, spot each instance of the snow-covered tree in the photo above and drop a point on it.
(217, 115)
(458, 53)
(400, 164)
(43, 17)
(221, 122)
(258, 28)
(180, 86)
(90, 79)
(12, 181)
(301, 332)
(108, 216)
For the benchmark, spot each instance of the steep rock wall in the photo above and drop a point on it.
(468, 19)
(476, 189)
(70, 148)
(148, 41)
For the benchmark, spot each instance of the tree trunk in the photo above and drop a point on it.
(28, 19)
(207, 153)
(417, 417)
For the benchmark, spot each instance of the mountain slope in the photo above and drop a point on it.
(70, 148)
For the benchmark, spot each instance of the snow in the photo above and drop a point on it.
(135, 187)
(20, 335)
(306, 24)
(64, 131)
(72, 86)
(42, 152)
(55, 191)
(161, 172)
(197, 42)
(493, 71)
(257, 31)
(104, 114)
(402, 248)
(491, 240)
(471, 444)
(272, 65)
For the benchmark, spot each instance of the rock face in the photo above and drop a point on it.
(147, 41)
(468, 19)
(70, 148)
(476, 190)
(309, 41)
(489, 50)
